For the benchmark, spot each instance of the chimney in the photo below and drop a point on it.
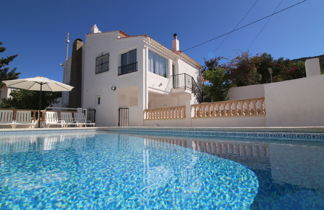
(76, 74)
(175, 43)
(95, 29)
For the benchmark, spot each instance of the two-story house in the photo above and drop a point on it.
(120, 76)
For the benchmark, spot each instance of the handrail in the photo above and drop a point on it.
(231, 108)
(166, 113)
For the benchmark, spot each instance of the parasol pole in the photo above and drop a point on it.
(40, 103)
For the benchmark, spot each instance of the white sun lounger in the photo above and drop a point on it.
(6, 118)
(67, 119)
(51, 118)
(24, 118)
(81, 120)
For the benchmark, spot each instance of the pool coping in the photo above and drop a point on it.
(304, 129)
(293, 134)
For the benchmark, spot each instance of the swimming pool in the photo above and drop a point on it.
(99, 169)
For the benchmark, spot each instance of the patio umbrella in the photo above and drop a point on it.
(38, 84)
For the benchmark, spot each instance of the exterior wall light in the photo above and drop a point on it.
(113, 88)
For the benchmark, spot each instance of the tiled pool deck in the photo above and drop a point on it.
(314, 134)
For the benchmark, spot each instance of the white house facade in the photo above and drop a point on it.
(5, 93)
(122, 75)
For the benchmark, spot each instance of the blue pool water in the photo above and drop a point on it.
(99, 170)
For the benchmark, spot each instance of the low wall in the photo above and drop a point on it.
(245, 92)
(298, 102)
(210, 122)
(168, 123)
(253, 121)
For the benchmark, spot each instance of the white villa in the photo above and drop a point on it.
(135, 81)
(120, 76)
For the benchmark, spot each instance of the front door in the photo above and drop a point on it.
(123, 117)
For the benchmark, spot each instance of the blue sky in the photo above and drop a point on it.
(36, 29)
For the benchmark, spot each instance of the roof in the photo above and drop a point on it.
(180, 54)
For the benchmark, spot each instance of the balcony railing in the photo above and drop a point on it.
(234, 108)
(187, 82)
(129, 68)
(167, 113)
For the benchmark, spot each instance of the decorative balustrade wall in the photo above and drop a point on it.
(168, 113)
(234, 108)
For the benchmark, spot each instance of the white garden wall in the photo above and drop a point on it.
(229, 122)
(5, 93)
(297, 102)
(168, 123)
(210, 122)
(245, 92)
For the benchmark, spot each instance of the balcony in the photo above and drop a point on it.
(129, 68)
(185, 82)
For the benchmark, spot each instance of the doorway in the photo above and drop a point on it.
(123, 117)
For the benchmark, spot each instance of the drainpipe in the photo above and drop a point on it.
(146, 66)
(145, 105)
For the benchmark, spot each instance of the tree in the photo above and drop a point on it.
(243, 71)
(216, 83)
(5, 72)
(263, 63)
(26, 99)
(21, 99)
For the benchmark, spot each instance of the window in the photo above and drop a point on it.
(158, 64)
(102, 63)
(128, 62)
(98, 100)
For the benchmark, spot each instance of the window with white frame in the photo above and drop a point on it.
(102, 63)
(158, 64)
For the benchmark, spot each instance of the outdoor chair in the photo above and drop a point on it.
(81, 120)
(67, 119)
(51, 118)
(24, 118)
(6, 118)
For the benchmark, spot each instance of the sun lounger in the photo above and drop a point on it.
(51, 118)
(81, 120)
(6, 118)
(67, 119)
(24, 118)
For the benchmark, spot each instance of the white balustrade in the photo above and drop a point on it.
(233, 108)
